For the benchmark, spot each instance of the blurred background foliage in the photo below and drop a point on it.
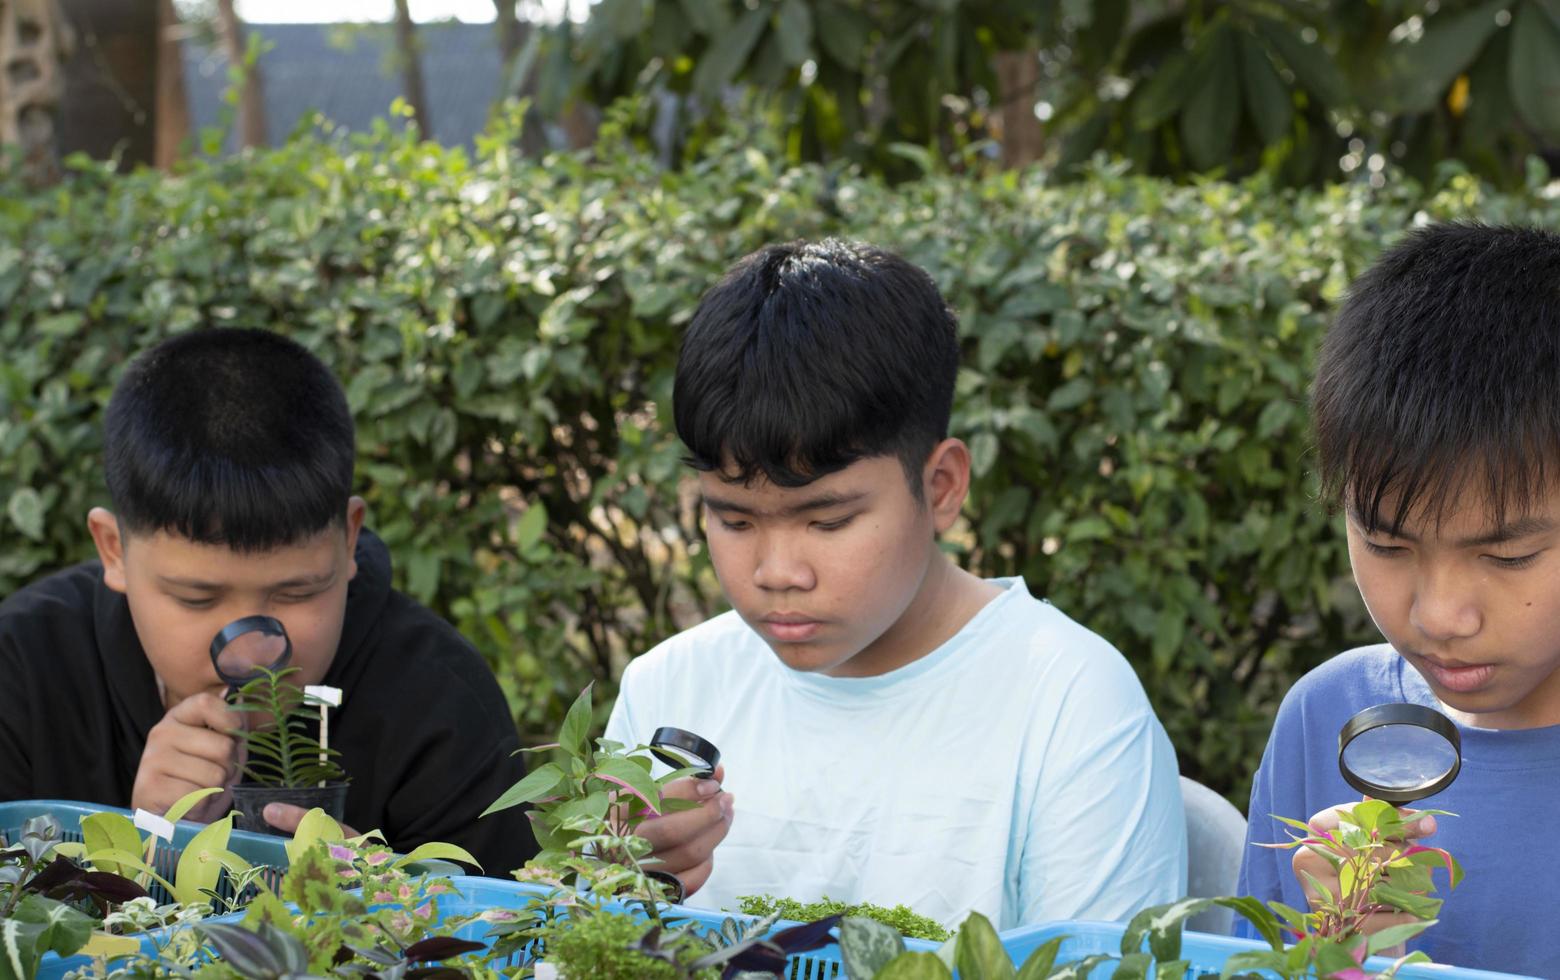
(1136, 361)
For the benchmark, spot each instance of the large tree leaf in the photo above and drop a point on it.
(1165, 91)
(1312, 64)
(1535, 69)
(794, 30)
(1422, 71)
(728, 53)
(842, 32)
(1268, 100)
(1208, 121)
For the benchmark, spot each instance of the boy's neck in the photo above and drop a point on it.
(949, 597)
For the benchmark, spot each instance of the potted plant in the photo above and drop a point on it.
(284, 762)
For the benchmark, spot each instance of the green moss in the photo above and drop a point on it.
(901, 917)
(598, 947)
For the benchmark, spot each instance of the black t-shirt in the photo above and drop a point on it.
(423, 729)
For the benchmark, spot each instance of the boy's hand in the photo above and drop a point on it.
(685, 842)
(190, 749)
(1323, 871)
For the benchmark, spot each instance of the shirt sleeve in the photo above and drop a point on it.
(1107, 830)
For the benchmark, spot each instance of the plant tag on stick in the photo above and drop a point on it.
(327, 698)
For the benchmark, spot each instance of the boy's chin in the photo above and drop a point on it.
(806, 658)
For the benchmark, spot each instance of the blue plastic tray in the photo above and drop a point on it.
(259, 849)
(478, 894)
(1206, 953)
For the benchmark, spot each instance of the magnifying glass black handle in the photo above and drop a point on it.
(686, 749)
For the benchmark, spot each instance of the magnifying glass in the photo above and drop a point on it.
(1399, 753)
(242, 647)
(685, 750)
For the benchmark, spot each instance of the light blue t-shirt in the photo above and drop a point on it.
(1017, 770)
(1504, 914)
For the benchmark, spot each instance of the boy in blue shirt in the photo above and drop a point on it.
(1437, 414)
(894, 729)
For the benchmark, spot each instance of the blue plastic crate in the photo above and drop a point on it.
(258, 849)
(478, 894)
(1205, 952)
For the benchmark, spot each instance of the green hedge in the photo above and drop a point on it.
(1136, 367)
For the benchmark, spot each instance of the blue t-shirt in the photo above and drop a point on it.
(1504, 914)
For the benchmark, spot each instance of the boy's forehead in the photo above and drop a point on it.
(178, 560)
(856, 481)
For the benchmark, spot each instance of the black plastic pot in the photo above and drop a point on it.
(250, 801)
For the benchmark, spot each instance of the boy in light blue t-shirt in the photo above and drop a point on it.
(1437, 413)
(894, 729)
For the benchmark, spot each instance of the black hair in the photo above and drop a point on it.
(807, 357)
(233, 437)
(1441, 375)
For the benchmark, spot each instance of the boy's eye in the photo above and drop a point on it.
(1383, 550)
(833, 525)
(733, 525)
(297, 596)
(1520, 561)
(193, 603)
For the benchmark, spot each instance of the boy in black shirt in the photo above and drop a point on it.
(229, 458)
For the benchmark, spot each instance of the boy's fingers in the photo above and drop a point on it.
(693, 788)
(694, 878)
(206, 710)
(687, 838)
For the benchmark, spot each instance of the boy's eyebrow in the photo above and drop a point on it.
(1521, 528)
(297, 582)
(821, 501)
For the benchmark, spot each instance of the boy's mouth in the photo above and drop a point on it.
(789, 627)
(1456, 675)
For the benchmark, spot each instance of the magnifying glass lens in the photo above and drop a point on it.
(1399, 753)
(245, 653)
(684, 750)
(242, 647)
(1402, 757)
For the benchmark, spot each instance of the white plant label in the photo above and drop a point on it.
(153, 824)
(323, 695)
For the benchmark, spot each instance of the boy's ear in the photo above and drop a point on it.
(110, 546)
(356, 508)
(947, 482)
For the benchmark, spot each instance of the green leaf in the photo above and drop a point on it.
(316, 826)
(979, 952)
(531, 526)
(1260, 916)
(983, 453)
(1311, 63)
(1421, 72)
(867, 946)
(1159, 98)
(437, 851)
(1268, 100)
(26, 512)
(1535, 70)
(1254, 960)
(1037, 965)
(842, 33)
(538, 784)
(915, 966)
(1209, 117)
(574, 736)
(708, 17)
(110, 832)
(794, 27)
(726, 56)
(630, 775)
(1133, 966)
(186, 803)
(1395, 935)
(204, 859)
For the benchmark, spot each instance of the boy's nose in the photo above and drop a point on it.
(1443, 611)
(781, 567)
